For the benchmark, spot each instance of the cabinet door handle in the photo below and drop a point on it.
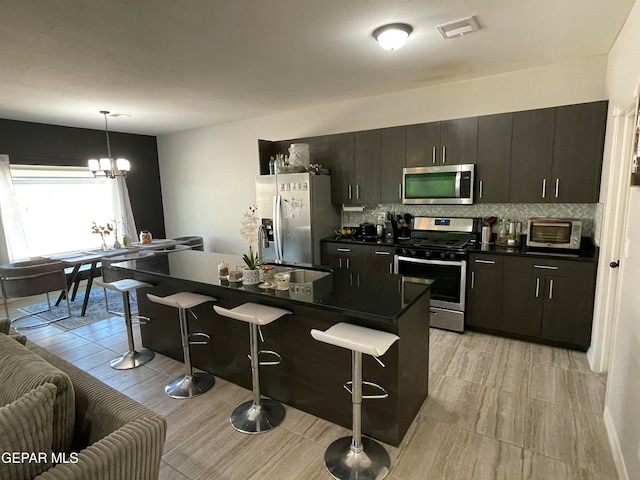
(537, 287)
(544, 187)
(444, 154)
(382, 253)
(348, 263)
(390, 267)
(434, 152)
(350, 192)
(473, 279)
(358, 191)
(551, 289)
(490, 262)
(399, 191)
(340, 262)
(557, 187)
(481, 189)
(546, 267)
(343, 249)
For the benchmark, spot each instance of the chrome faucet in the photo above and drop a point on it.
(263, 239)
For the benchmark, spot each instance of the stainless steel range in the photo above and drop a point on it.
(437, 250)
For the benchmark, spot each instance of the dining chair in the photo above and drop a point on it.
(33, 277)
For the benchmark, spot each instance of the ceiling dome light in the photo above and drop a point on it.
(392, 36)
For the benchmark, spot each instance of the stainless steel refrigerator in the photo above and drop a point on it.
(297, 212)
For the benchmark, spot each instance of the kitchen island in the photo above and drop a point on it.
(311, 374)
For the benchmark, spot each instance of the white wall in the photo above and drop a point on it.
(622, 406)
(208, 174)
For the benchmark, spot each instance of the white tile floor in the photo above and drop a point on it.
(498, 409)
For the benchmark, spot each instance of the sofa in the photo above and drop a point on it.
(73, 426)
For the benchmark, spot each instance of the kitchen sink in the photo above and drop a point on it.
(306, 276)
(306, 284)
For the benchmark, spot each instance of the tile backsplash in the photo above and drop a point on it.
(513, 211)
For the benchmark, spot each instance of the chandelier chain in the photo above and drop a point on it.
(106, 130)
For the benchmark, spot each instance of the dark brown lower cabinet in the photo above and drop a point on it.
(357, 258)
(534, 298)
(521, 304)
(484, 285)
(568, 309)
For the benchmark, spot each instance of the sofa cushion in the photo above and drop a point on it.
(22, 370)
(26, 428)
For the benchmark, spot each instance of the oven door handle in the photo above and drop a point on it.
(431, 262)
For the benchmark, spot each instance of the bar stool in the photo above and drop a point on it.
(132, 358)
(356, 457)
(260, 414)
(190, 384)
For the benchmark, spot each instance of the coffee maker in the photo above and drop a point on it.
(390, 230)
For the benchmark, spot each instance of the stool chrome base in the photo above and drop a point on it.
(372, 463)
(133, 359)
(188, 386)
(251, 418)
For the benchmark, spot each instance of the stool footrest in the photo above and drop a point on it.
(140, 320)
(269, 362)
(348, 387)
(205, 338)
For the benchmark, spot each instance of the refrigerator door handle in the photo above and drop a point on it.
(276, 238)
(277, 215)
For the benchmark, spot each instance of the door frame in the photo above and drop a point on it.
(612, 240)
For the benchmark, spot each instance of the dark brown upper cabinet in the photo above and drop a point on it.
(342, 168)
(577, 152)
(449, 142)
(494, 157)
(367, 167)
(458, 141)
(535, 156)
(557, 154)
(393, 150)
(423, 144)
(532, 156)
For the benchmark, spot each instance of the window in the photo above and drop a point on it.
(58, 204)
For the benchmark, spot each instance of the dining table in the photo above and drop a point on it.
(90, 261)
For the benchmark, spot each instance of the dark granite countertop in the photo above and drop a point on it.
(379, 296)
(588, 252)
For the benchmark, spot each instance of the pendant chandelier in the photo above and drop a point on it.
(109, 166)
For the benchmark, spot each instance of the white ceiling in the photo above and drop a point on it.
(175, 65)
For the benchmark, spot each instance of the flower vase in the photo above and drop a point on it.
(116, 244)
(250, 277)
(104, 246)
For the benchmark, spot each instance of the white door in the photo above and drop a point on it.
(615, 238)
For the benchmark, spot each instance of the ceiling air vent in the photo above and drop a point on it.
(458, 28)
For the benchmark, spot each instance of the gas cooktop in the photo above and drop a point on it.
(436, 243)
(444, 238)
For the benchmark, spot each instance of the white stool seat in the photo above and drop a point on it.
(252, 313)
(125, 285)
(353, 337)
(181, 300)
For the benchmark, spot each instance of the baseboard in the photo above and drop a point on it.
(616, 451)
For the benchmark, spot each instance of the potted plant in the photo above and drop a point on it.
(249, 233)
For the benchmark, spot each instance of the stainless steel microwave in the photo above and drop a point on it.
(443, 185)
(562, 233)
